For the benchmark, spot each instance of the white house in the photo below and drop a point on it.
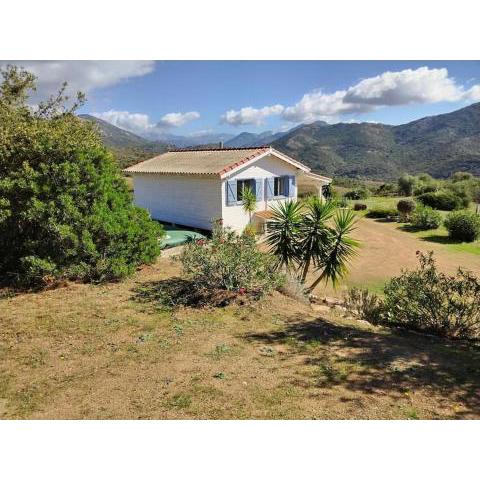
(194, 187)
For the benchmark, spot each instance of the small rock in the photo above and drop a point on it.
(320, 308)
(330, 301)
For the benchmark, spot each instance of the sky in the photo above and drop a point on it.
(152, 98)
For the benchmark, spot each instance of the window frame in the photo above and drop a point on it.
(245, 181)
(282, 179)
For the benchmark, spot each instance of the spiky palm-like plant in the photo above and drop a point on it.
(282, 232)
(314, 233)
(249, 202)
(341, 248)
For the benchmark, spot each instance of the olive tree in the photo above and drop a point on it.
(65, 210)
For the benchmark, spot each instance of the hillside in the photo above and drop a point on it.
(247, 139)
(127, 147)
(439, 145)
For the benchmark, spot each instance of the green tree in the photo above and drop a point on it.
(406, 184)
(405, 208)
(476, 197)
(249, 202)
(313, 234)
(65, 210)
(283, 233)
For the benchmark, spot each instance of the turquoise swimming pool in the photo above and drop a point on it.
(178, 235)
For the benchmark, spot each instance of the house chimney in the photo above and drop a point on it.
(220, 144)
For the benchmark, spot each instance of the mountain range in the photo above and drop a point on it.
(439, 145)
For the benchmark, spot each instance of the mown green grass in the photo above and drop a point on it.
(439, 235)
(376, 202)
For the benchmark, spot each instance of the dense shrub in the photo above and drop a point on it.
(463, 225)
(364, 305)
(425, 218)
(357, 194)
(382, 213)
(461, 176)
(430, 301)
(387, 189)
(405, 209)
(406, 184)
(229, 262)
(422, 188)
(359, 206)
(441, 200)
(65, 210)
(463, 191)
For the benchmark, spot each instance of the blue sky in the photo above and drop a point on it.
(182, 97)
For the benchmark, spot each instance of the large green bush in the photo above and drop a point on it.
(425, 218)
(406, 184)
(405, 208)
(230, 262)
(357, 194)
(65, 210)
(382, 212)
(442, 200)
(430, 301)
(463, 225)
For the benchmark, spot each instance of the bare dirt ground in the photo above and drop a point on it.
(111, 351)
(386, 249)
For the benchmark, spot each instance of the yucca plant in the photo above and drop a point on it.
(339, 250)
(283, 233)
(249, 202)
(314, 233)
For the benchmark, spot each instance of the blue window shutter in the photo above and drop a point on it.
(269, 188)
(286, 185)
(259, 189)
(291, 186)
(231, 192)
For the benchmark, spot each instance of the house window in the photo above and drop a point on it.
(279, 186)
(241, 185)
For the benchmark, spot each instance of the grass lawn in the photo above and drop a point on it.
(377, 202)
(439, 235)
(112, 351)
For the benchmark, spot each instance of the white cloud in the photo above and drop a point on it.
(250, 115)
(134, 122)
(423, 85)
(177, 119)
(84, 75)
(473, 93)
(141, 123)
(320, 106)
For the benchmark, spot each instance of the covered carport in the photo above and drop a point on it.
(312, 184)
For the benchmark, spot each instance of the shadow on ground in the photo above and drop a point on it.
(388, 362)
(177, 292)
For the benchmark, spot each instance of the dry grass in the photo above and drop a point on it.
(87, 351)
(386, 249)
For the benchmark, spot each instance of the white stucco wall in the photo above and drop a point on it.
(191, 200)
(269, 166)
(194, 200)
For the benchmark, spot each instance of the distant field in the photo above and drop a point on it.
(438, 236)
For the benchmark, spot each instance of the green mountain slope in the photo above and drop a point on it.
(439, 145)
(127, 147)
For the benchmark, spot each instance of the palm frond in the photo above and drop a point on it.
(282, 232)
(334, 265)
